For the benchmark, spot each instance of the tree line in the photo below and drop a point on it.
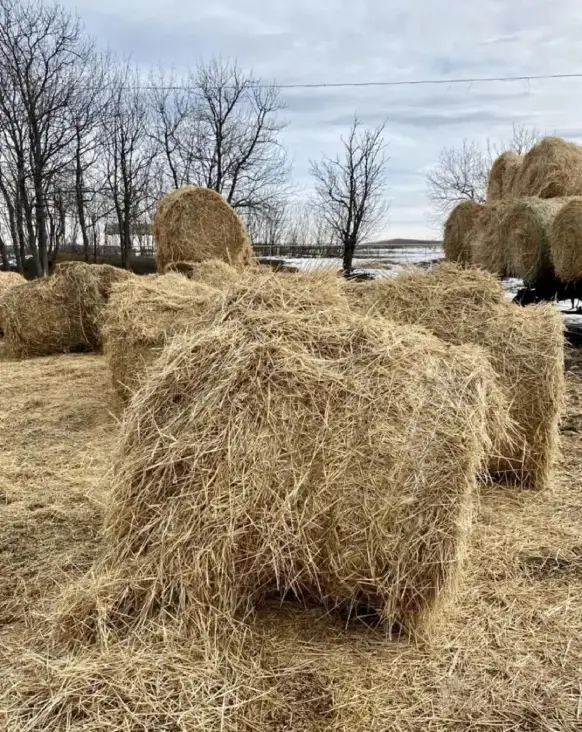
(85, 138)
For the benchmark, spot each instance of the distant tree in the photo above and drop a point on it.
(349, 189)
(462, 172)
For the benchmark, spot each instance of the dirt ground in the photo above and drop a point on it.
(509, 657)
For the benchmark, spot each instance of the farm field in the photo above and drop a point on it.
(509, 657)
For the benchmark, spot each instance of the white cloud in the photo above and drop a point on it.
(337, 40)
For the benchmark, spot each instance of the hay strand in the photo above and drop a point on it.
(488, 249)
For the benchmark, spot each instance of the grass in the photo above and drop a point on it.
(509, 659)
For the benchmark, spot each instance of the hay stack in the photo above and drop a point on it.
(59, 314)
(525, 346)
(551, 169)
(458, 231)
(502, 176)
(213, 272)
(141, 316)
(194, 224)
(525, 229)
(565, 241)
(488, 250)
(288, 445)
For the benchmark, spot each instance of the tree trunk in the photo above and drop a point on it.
(81, 205)
(349, 248)
(12, 225)
(4, 255)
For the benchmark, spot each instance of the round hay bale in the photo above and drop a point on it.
(141, 316)
(565, 241)
(292, 446)
(551, 169)
(525, 229)
(58, 314)
(502, 176)
(213, 272)
(193, 224)
(458, 231)
(525, 346)
(247, 254)
(488, 250)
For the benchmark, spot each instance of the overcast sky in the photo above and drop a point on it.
(311, 41)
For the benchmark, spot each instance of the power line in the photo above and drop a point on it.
(363, 84)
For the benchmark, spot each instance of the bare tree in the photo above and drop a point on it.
(349, 189)
(128, 155)
(238, 149)
(461, 173)
(43, 59)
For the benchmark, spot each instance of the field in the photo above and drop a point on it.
(509, 658)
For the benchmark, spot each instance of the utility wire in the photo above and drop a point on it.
(360, 84)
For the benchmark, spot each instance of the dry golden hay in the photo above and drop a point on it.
(247, 254)
(502, 176)
(565, 241)
(551, 169)
(10, 279)
(193, 224)
(213, 272)
(488, 249)
(525, 346)
(141, 316)
(458, 231)
(525, 229)
(288, 445)
(58, 314)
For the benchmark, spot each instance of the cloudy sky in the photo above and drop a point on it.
(313, 41)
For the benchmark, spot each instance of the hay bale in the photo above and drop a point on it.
(213, 272)
(141, 316)
(488, 249)
(58, 314)
(289, 445)
(193, 224)
(551, 169)
(10, 279)
(458, 231)
(525, 347)
(502, 176)
(525, 229)
(565, 241)
(247, 254)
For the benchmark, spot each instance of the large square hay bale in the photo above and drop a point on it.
(525, 346)
(141, 316)
(287, 445)
(193, 224)
(58, 314)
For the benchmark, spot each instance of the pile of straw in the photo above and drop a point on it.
(565, 241)
(502, 176)
(488, 248)
(213, 272)
(9, 280)
(525, 230)
(551, 169)
(142, 316)
(194, 224)
(288, 446)
(59, 314)
(525, 347)
(459, 230)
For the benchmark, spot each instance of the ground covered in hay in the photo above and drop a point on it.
(509, 658)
